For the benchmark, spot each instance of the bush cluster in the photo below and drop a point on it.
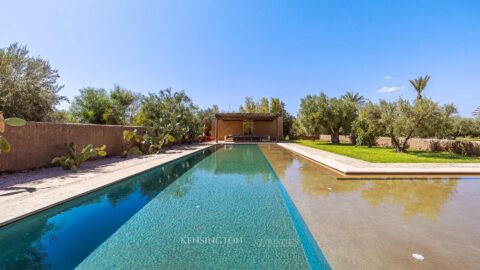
(465, 148)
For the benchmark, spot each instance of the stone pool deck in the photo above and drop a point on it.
(353, 168)
(26, 193)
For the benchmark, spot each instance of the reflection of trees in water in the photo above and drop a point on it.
(417, 197)
(243, 160)
(34, 258)
(423, 197)
(29, 252)
(323, 185)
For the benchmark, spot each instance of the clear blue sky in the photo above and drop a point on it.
(222, 51)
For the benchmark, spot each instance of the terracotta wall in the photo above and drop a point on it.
(268, 128)
(228, 128)
(35, 144)
(259, 128)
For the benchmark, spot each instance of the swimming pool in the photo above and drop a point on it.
(223, 207)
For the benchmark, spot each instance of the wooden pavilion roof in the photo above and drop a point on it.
(247, 116)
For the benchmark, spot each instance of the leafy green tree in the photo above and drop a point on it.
(419, 85)
(263, 106)
(354, 97)
(278, 106)
(206, 117)
(125, 104)
(275, 105)
(170, 114)
(358, 100)
(96, 106)
(28, 85)
(476, 113)
(250, 106)
(93, 106)
(367, 126)
(320, 112)
(401, 120)
(62, 116)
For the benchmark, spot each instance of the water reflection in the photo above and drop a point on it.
(241, 160)
(425, 198)
(56, 238)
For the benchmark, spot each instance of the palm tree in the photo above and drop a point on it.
(354, 97)
(476, 113)
(419, 84)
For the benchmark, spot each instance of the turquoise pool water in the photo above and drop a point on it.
(222, 208)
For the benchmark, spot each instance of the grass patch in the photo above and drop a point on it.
(468, 139)
(388, 155)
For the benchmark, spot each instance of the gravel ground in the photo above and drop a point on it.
(18, 178)
(11, 179)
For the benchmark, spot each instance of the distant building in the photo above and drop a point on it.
(244, 127)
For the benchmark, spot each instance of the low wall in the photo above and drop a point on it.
(37, 143)
(414, 143)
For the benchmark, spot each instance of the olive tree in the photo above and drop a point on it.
(319, 113)
(401, 120)
(28, 85)
(367, 126)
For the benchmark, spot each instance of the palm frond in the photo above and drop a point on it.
(476, 113)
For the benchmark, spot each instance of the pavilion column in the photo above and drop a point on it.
(216, 129)
(276, 129)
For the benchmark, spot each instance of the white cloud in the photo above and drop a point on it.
(387, 77)
(389, 89)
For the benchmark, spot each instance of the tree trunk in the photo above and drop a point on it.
(335, 138)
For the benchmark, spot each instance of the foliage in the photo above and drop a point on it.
(206, 117)
(476, 113)
(72, 160)
(62, 116)
(14, 122)
(401, 120)
(124, 105)
(148, 144)
(367, 127)
(250, 106)
(319, 112)
(275, 105)
(419, 84)
(134, 139)
(387, 155)
(96, 106)
(354, 97)
(465, 148)
(169, 114)
(28, 85)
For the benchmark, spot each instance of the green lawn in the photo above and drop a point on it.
(387, 155)
(468, 139)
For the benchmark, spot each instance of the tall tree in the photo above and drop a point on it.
(28, 85)
(419, 85)
(354, 97)
(97, 106)
(263, 105)
(476, 113)
(401, 120)
(250, 106)
(125, 104)
(92, 106)
(206, 117)
(170, 113)
(320, 112)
